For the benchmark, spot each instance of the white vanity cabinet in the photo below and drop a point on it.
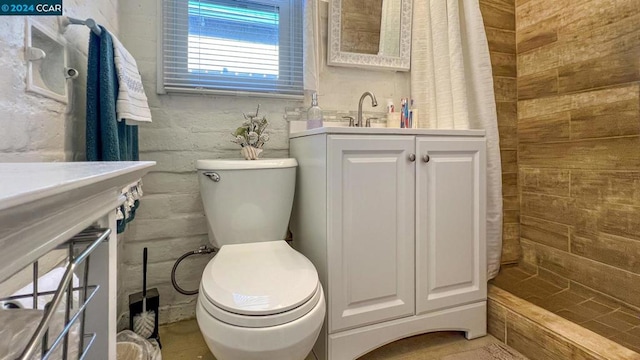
(393, 220)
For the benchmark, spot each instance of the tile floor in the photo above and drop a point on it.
(183, 341)
(597, 313)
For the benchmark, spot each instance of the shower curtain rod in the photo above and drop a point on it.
(90, 23)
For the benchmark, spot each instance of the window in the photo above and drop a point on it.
(232, 46)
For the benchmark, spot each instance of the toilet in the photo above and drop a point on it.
(259, 298)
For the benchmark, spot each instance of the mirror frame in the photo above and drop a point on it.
(336, 57)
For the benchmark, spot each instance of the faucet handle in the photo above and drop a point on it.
(368, 124)
(351, 120)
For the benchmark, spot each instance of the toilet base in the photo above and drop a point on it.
(291, 341)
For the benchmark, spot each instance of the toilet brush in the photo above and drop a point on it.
(144, 322)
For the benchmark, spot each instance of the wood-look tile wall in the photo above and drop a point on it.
(499, 20)
(578, 128)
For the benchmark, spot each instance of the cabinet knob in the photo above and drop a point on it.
(412, 157)
(426, 158)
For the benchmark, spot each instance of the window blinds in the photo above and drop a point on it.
(232, 46)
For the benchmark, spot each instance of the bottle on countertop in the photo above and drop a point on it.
(314, 114)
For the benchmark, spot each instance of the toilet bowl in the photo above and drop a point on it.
(260, 301)
(259, 298)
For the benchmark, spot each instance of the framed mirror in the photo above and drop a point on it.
(370, 34)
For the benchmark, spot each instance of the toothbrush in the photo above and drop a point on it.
(406, 112)
(411, 115)
(403, 103)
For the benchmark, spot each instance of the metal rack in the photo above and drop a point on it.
(38, 344)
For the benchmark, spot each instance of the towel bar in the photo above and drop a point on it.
(65, 21)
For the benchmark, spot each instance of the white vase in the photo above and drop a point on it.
(250, 152)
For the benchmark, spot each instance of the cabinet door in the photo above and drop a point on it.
(450, 223)
(371, 189)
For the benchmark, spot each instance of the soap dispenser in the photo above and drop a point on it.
(314, 114)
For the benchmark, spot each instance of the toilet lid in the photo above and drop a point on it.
(259, 278)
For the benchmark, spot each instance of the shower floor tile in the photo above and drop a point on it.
(635, 332)
(628, 340)
(572, 316)
(576, 303)
(596, 307)
(630, 317)
(561, 300)
(591, 313)
(617, 320)
(600, 328)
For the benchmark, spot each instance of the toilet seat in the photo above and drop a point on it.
(259, 284)
(263, 320)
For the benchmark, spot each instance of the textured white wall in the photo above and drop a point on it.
(185, 128)
(32, 127)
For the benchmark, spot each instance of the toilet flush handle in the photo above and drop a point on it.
(212, 175)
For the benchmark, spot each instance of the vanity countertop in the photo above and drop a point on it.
(44, 204)
(21, 183)
(344, 130)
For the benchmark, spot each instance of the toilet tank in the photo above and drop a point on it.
(247, 200)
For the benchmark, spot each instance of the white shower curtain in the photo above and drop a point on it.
(452, 86)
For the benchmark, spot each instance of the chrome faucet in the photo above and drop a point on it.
(374, 103)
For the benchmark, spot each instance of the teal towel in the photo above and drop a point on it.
(107, 138)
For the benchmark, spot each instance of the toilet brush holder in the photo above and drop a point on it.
(153, 304)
